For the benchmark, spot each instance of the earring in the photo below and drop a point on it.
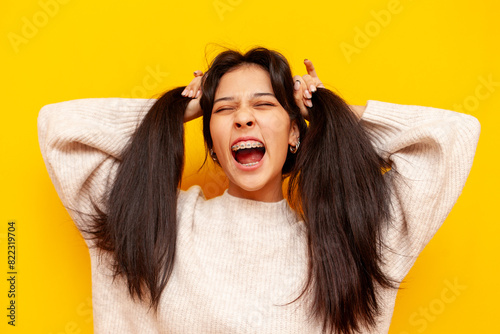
(294, 149)
(213, 155)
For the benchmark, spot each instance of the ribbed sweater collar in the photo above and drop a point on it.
(266, 213)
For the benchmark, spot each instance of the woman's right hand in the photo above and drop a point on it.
(193, 109)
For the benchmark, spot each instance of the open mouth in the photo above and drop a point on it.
(248, 152)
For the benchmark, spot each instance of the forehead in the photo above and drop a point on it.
(244, 79)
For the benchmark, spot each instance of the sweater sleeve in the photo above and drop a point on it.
(431, 152)
(81, 142)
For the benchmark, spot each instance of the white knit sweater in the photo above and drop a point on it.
(237, 259)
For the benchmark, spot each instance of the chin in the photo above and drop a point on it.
(249, 187)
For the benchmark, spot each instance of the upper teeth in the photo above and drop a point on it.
(246, 144)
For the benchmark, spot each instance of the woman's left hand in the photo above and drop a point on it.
(305, 86)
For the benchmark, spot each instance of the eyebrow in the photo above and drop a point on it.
(231, 98)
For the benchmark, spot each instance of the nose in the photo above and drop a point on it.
(244, 118)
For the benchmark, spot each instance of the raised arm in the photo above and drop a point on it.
(81, 142)
(431, 152)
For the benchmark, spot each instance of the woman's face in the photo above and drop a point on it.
(251, 132)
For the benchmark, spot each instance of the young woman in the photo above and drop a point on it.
(369, 187)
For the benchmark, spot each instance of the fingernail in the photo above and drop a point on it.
(198, 94)
(312, 88)
(184, 92)
(307, 94)
(306, 59)
(191, 93)
(296, 86)
(309, 103)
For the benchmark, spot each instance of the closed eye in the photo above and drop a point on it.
(266, 105)
(221, 109)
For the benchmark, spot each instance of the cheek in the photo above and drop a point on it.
(219, 131)
(278, 125)
(278, 129)
(278, 122)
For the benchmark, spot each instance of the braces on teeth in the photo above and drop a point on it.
(250, 164)
(247, 145)
(243, 145)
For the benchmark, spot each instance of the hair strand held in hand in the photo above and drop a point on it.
(139, 225)
(338, 187)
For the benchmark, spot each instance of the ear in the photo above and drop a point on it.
(294, 134)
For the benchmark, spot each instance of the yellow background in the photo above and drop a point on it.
(425, 52)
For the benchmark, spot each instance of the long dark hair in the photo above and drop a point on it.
(336, 186)
(138, 225)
